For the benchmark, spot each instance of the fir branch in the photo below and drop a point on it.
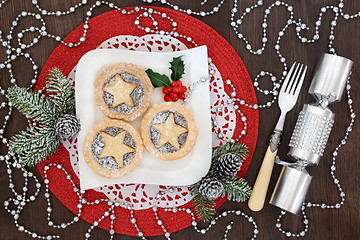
(61, 92)
(33, 105)
(205, 209)
(34, 145)
(236, 189)
(40, 140)
(30, 139)
(236, 148)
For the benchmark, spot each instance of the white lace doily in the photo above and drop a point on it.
(141, 195)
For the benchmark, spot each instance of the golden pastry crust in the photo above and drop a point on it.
(192, 130)
(113, 70)
(93, 162)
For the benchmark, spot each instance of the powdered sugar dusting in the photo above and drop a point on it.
(161, 117)
(109, 162)
(137, 95)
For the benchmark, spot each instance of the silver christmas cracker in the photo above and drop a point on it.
(311, 132)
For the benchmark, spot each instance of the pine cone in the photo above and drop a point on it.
(228, 165)
(211, 188)
(67, 126)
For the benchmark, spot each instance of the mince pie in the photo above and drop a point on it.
(123, 91)
(169, 131)
(113, 148)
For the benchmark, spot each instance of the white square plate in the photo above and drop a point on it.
(184, 171)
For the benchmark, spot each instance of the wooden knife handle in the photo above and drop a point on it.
(257, 199)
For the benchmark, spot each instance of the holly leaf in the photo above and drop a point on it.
(157, 79)
(177, 68)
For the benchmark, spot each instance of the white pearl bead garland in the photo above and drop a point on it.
(233, 102)
(20, 200)
(47, 196)
(14, 52)
(189, 11)
(2, 2)
(288, 233)
(194, 223)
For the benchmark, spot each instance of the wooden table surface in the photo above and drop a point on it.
(324, 224)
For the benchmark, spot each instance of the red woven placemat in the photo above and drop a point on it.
(112, 24)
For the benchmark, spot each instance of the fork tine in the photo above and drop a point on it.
(298, 87)
(295, 80)
(292, 79)
(287, 78)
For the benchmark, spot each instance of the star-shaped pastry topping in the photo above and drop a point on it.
(169, 132)
(121, 91)
(115, 147)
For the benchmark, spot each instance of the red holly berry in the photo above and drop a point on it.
(174, 92)
(167, 98)
(165, 90)
(182, 96)
(176, 89)
(174, 97)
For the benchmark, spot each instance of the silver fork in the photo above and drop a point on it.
(289, 93)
